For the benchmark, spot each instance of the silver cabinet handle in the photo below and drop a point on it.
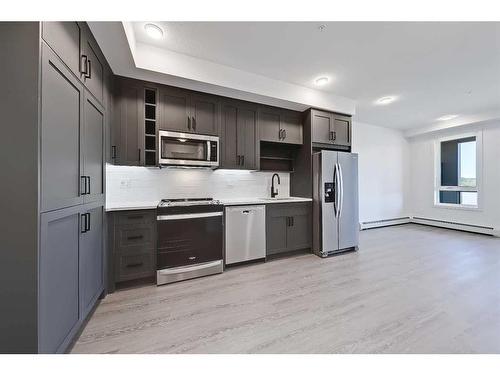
(188, 216)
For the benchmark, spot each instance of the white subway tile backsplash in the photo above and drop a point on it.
(136, 184)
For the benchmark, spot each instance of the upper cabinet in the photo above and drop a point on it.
(74, 44)
(331, 128)
(92, 66)
(280, 125)
(186, 111)
(238, 135)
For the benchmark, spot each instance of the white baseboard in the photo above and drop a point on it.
(384, 223)
(431, 222)
(455, 225)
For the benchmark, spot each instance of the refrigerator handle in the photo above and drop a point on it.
(335, 189)
(341, 179)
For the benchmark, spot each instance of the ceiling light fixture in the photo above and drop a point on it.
(447, 117)
(386, 100)
(321, 81)
(153, 31)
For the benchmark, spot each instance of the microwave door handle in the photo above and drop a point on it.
(209, 156)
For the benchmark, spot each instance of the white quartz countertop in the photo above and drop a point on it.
(146, 205)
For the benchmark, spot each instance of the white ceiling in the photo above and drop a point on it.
(433, 68)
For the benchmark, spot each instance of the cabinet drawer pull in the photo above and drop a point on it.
(135, 237)
(192, 258)
(135, 217)
(84, 65)
(133, 265)
(89, 70)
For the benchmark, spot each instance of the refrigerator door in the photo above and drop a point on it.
(348, 218)
(329, 207)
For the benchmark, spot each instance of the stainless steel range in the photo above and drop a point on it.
(190, 239)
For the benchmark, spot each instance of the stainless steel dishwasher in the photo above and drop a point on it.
(245, 233)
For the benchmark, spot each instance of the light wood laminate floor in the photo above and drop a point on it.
(409, 289)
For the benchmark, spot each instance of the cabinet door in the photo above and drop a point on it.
(94, 76)
(58, 278)
(228, 142)
(276, 230)
(299, 232)
(175, 111)
(322, 126)
(342, 132)
(64, 39)
(93, 145)
(91, 281)
(61, 107)
(269, 124)
(205, 114)
(129, 102)
(247, 136)
(291, 125)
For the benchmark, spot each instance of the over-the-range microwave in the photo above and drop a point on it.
(188, 150)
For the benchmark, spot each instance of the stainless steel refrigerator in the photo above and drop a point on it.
(335, 202)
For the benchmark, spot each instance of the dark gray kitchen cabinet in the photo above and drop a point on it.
(239, 135)
(59, 306)
(292, 128)
(93, 150)
(91, 258)
(93, 72)
(269, 124)
(57, 137)
(342, 132)
(132, 245)
(75, 45)
(61, 134)
(175, 111)
(186, 111)
(280, 125)
(64, 38)
(322, 126)
(288, 227)
(71, 272)
(331, 128)
(128, 114)
(205, 114)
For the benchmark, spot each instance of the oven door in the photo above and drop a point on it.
(184, 149)
(188, 239)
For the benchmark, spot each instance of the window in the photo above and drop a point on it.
(457, 172)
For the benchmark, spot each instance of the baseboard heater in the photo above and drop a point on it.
(455, 225)
(384, 223)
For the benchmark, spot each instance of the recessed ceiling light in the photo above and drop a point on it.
(447, 117)
(386, 100)
(153, 30)
(320, 81)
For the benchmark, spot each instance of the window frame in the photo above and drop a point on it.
(479, 173)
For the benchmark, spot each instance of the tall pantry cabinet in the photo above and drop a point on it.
(55, 114)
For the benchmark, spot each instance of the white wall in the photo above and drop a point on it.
(421, 194)
(136, 185)
(383, 171)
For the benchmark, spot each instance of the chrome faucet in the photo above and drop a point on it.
(273, 192)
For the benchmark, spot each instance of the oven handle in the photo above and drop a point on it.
(181, 269)
(187, 216)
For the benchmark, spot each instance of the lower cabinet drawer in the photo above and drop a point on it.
(130, 237)
(131, 267)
